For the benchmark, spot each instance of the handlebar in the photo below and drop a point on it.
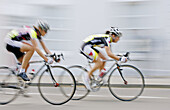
(56, 57)
(124, 55)
(127, 54)
(121, 55)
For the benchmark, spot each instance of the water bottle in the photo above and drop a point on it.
(32, 73)
(103, 73)
(18, 66)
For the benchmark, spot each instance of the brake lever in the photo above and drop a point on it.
(58, 57)
(62, 56)
(127, 55)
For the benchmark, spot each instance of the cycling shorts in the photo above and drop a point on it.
(14, 47)
(91, 52)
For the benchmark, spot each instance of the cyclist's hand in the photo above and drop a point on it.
(123, 59)
(50, 61)
(58, 60)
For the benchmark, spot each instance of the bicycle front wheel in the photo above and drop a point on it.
(57, 95)
(131, 87)
(9, 87)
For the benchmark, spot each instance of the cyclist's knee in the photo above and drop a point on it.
(99, 62)
(26, 48)
(102, 56)
(31, 48)
(28, 65)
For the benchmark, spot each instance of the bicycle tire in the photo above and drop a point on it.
(135, 83)
(9, 88)
(81, 90)
(61, 94)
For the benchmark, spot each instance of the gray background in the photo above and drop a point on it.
(145, 25)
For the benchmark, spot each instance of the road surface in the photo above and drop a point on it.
(151, 99)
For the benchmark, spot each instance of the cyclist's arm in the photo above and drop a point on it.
(35, 45)
(110, 54)
(44, 47)
(108, 50)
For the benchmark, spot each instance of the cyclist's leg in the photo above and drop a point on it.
(103, 63)
(93, 54)
(98, 65)
(20, 59)
(96, 56)
(29, 52)
(15, 47)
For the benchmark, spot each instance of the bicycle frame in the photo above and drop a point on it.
(108, 71)
(36, 74)
(56, 59)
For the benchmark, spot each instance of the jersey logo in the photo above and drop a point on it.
(90, 53)
(23, 38)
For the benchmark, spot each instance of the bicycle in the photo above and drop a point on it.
(125, 82)
(56, 84)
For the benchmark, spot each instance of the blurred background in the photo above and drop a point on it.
(145, 25)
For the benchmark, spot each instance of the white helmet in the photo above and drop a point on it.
(115, 31)
(43, 25)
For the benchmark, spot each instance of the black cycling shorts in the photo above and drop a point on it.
(15, 50)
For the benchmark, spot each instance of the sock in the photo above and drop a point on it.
(22, 70)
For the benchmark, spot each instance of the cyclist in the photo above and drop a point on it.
(102, 41)
(22, 43)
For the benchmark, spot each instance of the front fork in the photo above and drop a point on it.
(52, 77)
(120, 71)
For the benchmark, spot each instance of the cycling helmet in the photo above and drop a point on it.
(115, 31)
(43, 25)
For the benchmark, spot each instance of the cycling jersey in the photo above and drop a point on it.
(98, 40)
(25, 33)
(15, 38)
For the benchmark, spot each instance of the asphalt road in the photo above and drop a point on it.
(151, 99)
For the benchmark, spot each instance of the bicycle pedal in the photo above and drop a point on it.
(94, 85)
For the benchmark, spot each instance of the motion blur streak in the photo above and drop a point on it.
(145, 25)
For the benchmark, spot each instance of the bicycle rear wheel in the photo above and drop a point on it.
(57, 95)
(9, 88)
(135, 83)
(81, 90)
